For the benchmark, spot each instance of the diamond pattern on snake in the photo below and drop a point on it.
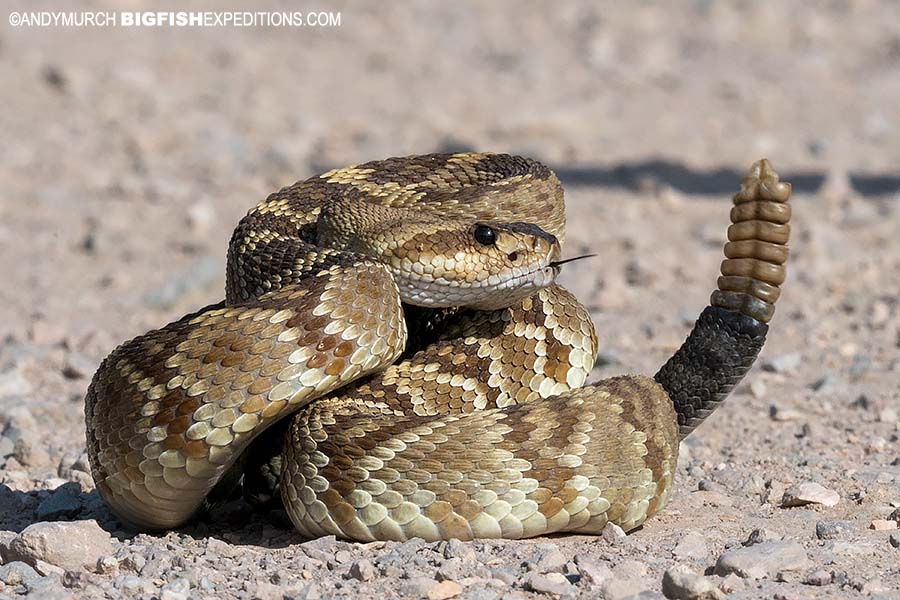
(393, 359)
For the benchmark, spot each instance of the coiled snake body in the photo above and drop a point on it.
(483, 428)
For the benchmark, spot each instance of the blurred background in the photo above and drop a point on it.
(129, 155)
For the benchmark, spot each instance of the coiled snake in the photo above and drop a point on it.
(482, 429)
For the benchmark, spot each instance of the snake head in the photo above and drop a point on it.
(484, 265)
(441, 262)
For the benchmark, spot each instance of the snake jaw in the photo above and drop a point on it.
(494, 293)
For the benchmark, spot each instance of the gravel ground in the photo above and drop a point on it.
(131, 153)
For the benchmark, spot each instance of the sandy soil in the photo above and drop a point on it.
(130, 154)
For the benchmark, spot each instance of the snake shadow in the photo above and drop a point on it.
(19, 509)
(635, 176)
(234, 522)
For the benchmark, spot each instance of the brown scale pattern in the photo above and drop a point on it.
(168, 412)
(496, 358)
(359, 469)
(482, 430)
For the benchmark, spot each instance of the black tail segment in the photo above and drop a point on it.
(729, 334)
(718, 353)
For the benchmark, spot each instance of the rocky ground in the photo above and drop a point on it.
(131, 154)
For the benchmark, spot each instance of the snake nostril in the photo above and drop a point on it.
(513, 256)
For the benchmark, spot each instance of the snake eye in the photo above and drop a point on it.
(484, 235)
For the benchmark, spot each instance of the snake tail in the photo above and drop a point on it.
(730, 333)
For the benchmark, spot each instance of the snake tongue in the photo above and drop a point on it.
(559, 263)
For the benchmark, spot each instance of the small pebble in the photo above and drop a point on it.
(777, 413)
(758, 388)
(593, 572)
(763, 560)
(883, 525)
(6, 446)
(70, 545)
(732, 583)
(873, 586)
(179, 589)
(625, 588)
(17, 572)
(809, 492)
(46, 569)
(758, 536)
(503, 575)
(628, 569)
(547, 560)
(827, 384)
(75, 579)
(680, 583)
(692, 545)
(14, 382)
(30, 453)
(895, 540)
(200, 217)
(134, 584)
(612, 533)
(108, 565)
(78, 366)
(862, 402)
(444, 590)
(454, 548)
(820, 577)
(773, 492)
(829, 530)
(549, 583)
(887, 415)
(362, 570)
(783, 363)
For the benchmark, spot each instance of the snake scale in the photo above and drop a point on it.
(393, 360)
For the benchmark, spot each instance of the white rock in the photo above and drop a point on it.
(783, 363)
(443, 590)
(691, 545)
(887, 415)
(764, 559)
(777, 413)
(549, 583)
(732, 583)
(758, 388)
(200, 217)
(612, 533)
(547, 560)
(14, 382)
(809, 493)
(16, 572)
(620, 589)
(71, 546)
(594, 573)
(45, 568)
(680, 583)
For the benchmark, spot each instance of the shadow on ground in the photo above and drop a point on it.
(234, 522)
(635, 176)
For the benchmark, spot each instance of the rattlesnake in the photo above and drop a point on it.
(483, 428)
